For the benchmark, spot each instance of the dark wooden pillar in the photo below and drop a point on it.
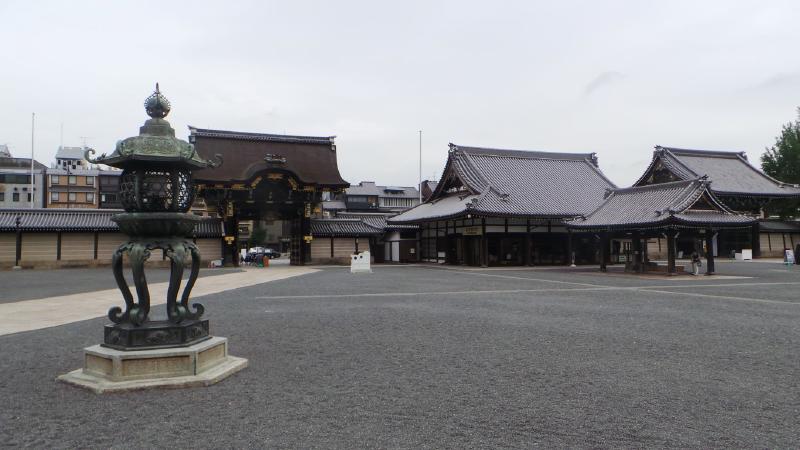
(570, 257)
(230, 240)
(604, 251)
(18, 251)
(484, 245)
(528, 243)
(671, 252)
(756, 238)
(96, 239)
(234, 247)
(710, 252)
(331, 247)
(437, 242)
(58, 246)
(645, 256)
(355, 241)
(305, 246)
(636, 244)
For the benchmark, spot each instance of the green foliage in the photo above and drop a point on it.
(782, 162)
(258, 237)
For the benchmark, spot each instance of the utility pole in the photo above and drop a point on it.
(419, 186)
(33, 122)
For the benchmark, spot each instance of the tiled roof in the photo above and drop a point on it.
(309, 159)
(20, 163)
(514, 183)
(370, 188)
(730, 172)
(674, 203)
(374, 219)
(343, 227)
(70, 153)
(82, 220)
(779, 226)
(239, 135)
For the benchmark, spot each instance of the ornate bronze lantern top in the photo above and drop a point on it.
(157, 169)
(156, 144)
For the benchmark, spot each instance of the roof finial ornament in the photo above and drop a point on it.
(156, 105)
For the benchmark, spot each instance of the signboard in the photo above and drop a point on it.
(472, 231)
(788, 256)
(308, 238)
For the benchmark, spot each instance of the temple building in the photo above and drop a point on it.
(495, 207)
(665, 211)
(737, 184)
(266, 177)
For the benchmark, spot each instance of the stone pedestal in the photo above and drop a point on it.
(110, 370)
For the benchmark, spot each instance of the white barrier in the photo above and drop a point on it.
(744, 255)
(359, 263)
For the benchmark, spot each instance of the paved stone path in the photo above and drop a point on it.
(47, 312)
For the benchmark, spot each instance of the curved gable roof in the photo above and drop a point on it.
(501, 182)
(731, 172)
(662, 204)
(311, 159)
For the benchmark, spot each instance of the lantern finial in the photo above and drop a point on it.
(156, 105)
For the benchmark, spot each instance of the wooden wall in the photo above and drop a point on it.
(8, 247)
(39, 247)
(78, 248)
(773, 244)
(342, 249)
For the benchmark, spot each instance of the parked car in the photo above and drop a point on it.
(265, 252)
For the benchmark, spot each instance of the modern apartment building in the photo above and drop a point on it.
(71, 183)
(15, 181)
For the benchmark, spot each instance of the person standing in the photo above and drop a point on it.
(696, 263)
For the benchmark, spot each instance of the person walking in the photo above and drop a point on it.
(696, 263)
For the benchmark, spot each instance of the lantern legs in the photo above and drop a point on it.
(132, 328)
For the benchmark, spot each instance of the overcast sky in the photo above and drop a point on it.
(614, 78)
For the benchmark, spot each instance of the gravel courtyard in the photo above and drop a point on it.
(434, 357)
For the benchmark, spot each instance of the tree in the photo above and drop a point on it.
(782, 162)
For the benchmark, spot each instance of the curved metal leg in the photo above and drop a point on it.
(115, 314)
(187, 290)
(139, 253)
(176, 252)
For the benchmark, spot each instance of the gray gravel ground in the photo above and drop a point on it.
(364, 361)
(32, 284)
